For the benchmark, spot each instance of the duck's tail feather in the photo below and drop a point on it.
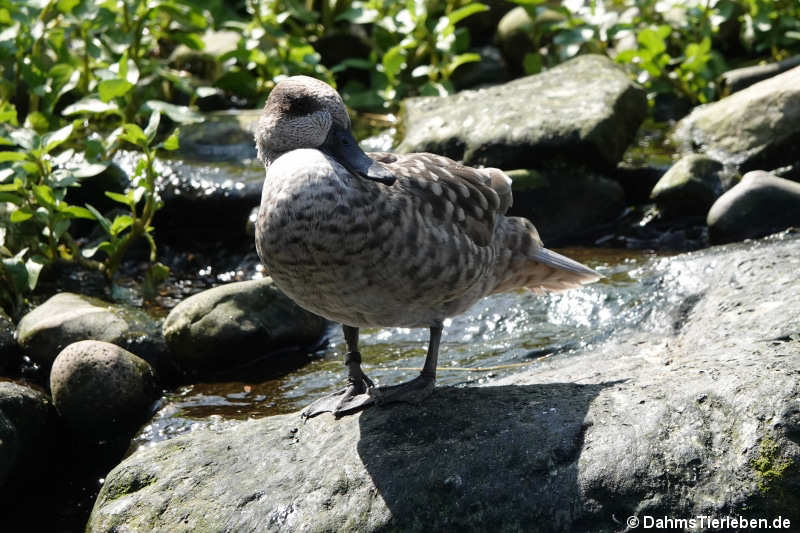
(555, 272)
(522, 262)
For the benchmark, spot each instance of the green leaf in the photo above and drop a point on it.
(44, 194)
(100, 218)
(466, 11)
(55, 138)
(25, 138)
(66, 6)
(75, 211)
(393, 61)
(12, 198)
(171, 142)
(152, 126)
(461, 59)
(110, 89)
(20, 215)
(120, 223)
(134, 135)
(123, 66)
(121, 198)
(92, 106)
(12, 156)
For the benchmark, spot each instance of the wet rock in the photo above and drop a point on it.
(700, 421)
(689, 187)
(100, 388)
(564, 203)
(221, 136)
(67, 317)
(237, 323)
(756, 128)
(25, 425)
(741, 78)
(583, 110)
(759, 205)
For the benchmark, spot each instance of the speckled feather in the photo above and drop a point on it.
(411, 254)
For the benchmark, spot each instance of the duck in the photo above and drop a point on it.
(372, 240)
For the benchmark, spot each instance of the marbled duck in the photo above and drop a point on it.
(385, 239)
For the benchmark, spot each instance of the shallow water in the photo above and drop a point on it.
(500, 335)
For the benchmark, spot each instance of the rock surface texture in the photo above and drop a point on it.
(235, 323)
(25, 420)
(704, 421)
(758, 205)
(586, 106)
(689, 187)
(756, 128)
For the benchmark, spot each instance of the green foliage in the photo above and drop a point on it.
(675, 48)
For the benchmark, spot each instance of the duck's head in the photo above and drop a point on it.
(302, 112)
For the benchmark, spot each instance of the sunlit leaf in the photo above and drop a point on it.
(134, 135)
(75, 211)
(110, 89)
(171, 142)
(152, 126)
(462, 13)
(20, 215)
(44, 194)
(12, 156)
(54, 138)
(393, 61)
(121, 223)
(91, 105)
(121, 198)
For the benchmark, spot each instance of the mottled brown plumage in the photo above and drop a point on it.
(385, 240)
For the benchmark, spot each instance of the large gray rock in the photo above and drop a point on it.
(756, 128)
(689, 187)
(25, 425)
(99, 388)
(585, 109)
(702, 421)
(67, 317)
(565, 203)
(758, 205)
(235, 323)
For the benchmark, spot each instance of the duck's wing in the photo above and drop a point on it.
(469, 197)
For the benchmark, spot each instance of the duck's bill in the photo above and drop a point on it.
(341, 145)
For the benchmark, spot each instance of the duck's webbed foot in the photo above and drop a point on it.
(413, 391)
(355, 397)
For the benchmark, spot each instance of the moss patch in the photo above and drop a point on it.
(769, 467)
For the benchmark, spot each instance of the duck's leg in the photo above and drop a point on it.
(420, 387)
(355, 396)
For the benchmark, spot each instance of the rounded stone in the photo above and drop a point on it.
(689, 187)
(98, 387)
(25, 427)
(759, 205)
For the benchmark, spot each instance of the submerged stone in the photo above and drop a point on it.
(585, 109)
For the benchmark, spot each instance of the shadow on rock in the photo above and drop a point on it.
(503, 457)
